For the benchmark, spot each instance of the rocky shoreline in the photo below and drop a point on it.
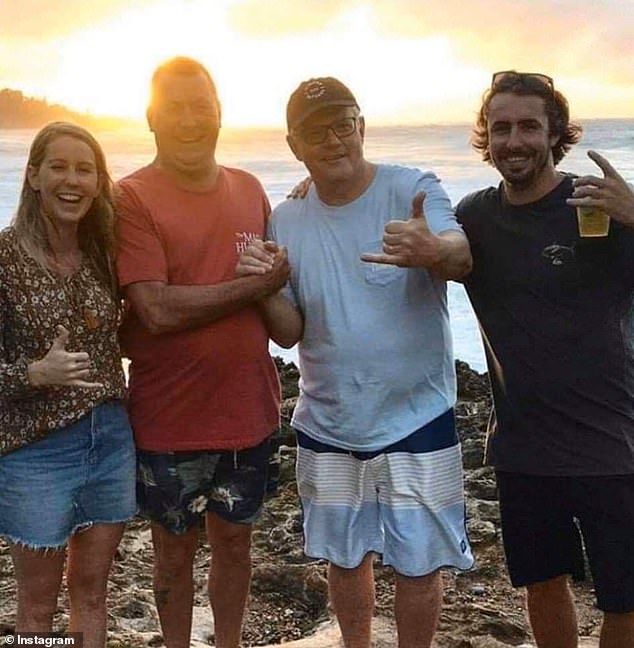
(289, 592)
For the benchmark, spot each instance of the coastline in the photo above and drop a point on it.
(288, 601)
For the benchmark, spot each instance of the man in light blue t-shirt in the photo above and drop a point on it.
(379, 467)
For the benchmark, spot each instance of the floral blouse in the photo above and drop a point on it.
(32, 304)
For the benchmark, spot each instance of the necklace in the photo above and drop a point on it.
(73, 291)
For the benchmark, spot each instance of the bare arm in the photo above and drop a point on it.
(454, 257)
(283, 320)
(411, 244)
(164, 308)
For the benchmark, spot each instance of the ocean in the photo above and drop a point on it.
(443, 148)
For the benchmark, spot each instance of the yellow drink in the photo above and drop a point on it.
(592, 221)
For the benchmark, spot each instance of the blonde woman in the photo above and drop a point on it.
(67, 459)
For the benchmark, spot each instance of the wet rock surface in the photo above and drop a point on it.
(289, 593)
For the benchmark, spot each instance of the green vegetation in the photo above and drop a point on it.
(19, 111)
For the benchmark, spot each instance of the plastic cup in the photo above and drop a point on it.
(592, 221)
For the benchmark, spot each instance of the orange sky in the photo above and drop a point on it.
(406, 60)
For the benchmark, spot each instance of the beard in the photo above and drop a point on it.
(527, 174)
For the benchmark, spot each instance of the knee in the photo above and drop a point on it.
(554, 587)
(234, 551)
(231, 543)
(35, 611)
(174, 554)
(173, 565)
(619, 618)
(429, 585)
(364, 569)
(86, 589)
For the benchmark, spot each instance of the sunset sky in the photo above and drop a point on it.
(408, 61)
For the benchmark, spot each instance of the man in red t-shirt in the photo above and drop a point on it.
(204, 393)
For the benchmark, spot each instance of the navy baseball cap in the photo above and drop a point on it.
(314, 94)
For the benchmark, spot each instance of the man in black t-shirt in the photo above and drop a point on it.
(554, 310)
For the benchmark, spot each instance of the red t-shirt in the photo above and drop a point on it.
(212, 387)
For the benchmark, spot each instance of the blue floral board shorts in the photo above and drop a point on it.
(176, 489)
(75, 477)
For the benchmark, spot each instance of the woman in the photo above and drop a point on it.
(66, 452)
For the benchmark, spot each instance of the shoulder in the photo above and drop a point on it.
(8, 241)
(241, 177)
(7, 235)
(146, 174)
(403, 176)
(136, 184)
(403, 183)
(244, 190)
(289, 209)
(10, 251)
(474, 203)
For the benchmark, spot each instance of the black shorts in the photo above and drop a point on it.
(546, 521)
(177, 489)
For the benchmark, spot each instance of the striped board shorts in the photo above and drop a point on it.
(405, 501)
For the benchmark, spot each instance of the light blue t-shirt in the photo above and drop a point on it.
(376, 358)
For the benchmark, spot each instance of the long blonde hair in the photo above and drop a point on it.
(96, 228)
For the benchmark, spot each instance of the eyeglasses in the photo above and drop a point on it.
(544, 79)
(318, 134)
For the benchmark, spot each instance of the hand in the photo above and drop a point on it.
(300, 189)
(280, 270)
(258, 258)
(409, 243)
(61, 367)
(610, 193)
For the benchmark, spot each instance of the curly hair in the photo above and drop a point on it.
(96, 229)
(555, 105)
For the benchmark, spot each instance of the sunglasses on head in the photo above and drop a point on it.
(544, 79)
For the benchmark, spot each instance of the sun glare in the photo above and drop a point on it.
(105, 69)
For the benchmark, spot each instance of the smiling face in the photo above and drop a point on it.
(185, 119)
(520, 142)
(67, 180)
(338, 159)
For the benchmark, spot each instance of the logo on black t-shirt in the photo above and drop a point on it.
(559, 254)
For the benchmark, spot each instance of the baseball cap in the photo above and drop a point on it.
(314, 94)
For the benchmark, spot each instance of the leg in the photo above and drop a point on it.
(229, 577)
(173, 582)
(424, 522)
(551, 611)
(543, 546)
(607, 517)
(417, 608)
(90, 555)
(234, 504)
(352, 597)
(39, 575)
(617, 631)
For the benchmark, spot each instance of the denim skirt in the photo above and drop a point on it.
(76, 476)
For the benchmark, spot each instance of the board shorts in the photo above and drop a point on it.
(405, 501)
(176, 489)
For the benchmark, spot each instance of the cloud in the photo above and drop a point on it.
(30, 19)
(284, 17)
(557, 36)
(402, 57)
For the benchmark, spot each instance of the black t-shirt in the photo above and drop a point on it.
(555, 314)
